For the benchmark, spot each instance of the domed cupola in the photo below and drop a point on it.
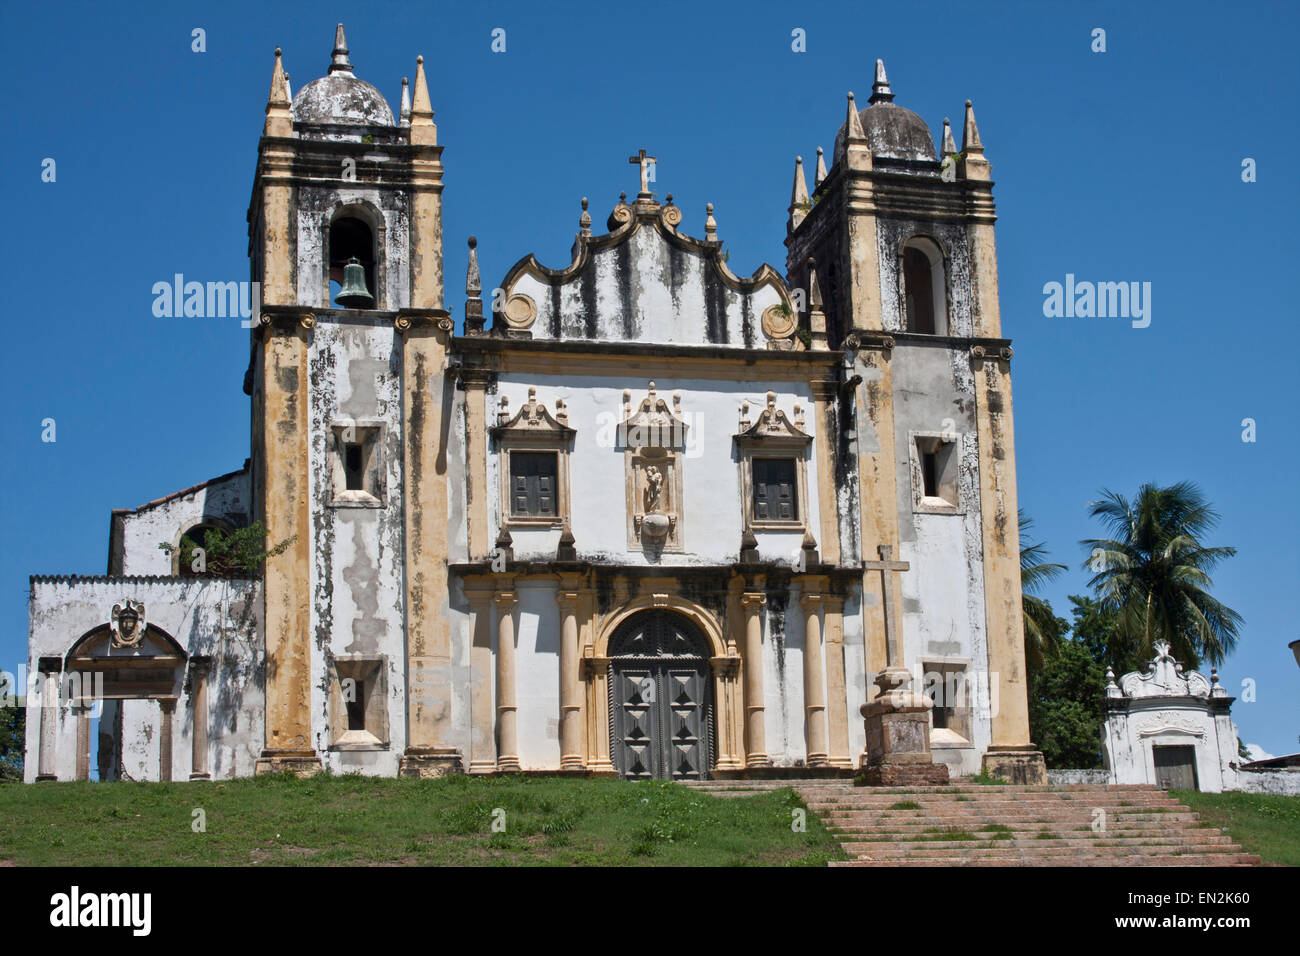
(339, 98)
(892, 131)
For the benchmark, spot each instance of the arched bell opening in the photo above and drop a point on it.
(925, 299)
(353, 276)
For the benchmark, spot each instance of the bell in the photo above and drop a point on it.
(354, 294)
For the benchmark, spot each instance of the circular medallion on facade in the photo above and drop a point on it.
(520, 311)
(779, 321)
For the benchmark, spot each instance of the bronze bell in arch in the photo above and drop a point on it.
(354, 294)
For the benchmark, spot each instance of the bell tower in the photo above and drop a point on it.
(895, 244)
(345, 237)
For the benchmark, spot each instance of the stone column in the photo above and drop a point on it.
(482, 733)
(200, 667)
(286, 507)
(46, 765)
(168, 707)
(83, 740)
(814, 688)
(730, 749)
(837, 717)
(1011, 756)
(755, 722)
(827, 499)
(426, 410)
(507, 734)
(595, 672)
(570, 685)
(476, 383)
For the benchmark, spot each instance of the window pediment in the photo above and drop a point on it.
(532, 420)
(772, 424)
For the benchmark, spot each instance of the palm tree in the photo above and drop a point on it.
(1155, 572)
(1041, 634)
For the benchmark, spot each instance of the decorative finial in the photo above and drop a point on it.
(584, 221)
(949, 147)
(622, 197)
(339, 62)
(404, 115)
(853, 123)
(710, 224)
(423, 132)
(970, 134)
(669, 200)
(821, 169)
(288, 91)
(279, 120)
(799, 202)
(880, 91)
(473, 292)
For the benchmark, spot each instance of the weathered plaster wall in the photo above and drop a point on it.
(216, 617)
(711, 522)
(357, 554)
(943, 617)
(227, 499)
(646, 289)
(1285, 782)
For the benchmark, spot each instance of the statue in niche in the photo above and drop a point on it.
(127, 624)
(654, 481)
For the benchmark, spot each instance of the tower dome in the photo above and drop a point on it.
(892, 131)
(339, 98)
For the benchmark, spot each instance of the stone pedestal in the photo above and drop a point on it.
(430, 762)
(1017, 766)
(301, 763)
(898, 737)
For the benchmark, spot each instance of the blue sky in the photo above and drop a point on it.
(1116, 166)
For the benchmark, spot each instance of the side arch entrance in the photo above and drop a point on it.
(661, 699)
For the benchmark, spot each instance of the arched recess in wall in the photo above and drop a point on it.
(355, 230)
(183, 564)
(923, 287)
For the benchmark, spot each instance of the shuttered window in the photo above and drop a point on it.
(775, 489)
(533, 483)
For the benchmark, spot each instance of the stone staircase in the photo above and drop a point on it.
(969, 824)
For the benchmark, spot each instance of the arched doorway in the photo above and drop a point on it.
(661, 700)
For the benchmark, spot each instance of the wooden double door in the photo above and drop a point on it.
(660, 681)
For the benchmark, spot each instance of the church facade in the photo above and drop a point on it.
(635, 514)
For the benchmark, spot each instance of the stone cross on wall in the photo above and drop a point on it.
(893, 646)
(644, 161)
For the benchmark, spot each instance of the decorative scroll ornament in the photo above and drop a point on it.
(653, 423)
(1164, 677)
(772, 422)
(127, 624)
(532, 416)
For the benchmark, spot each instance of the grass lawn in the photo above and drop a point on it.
(1264, 824)
(354, 820)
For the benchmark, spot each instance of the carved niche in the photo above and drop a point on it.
(653, 439)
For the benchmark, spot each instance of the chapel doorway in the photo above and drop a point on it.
(660, 681)
(1175, 767)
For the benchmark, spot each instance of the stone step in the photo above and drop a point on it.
(1189, 837)
(903, 818)
(1240, 859)
(1144, 826)
(1006, 840)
